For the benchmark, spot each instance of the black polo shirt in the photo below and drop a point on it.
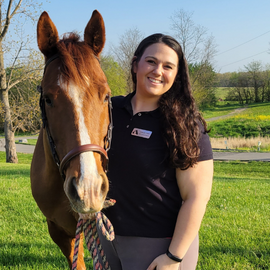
(141, 181)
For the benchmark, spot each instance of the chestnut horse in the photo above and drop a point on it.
(67, 172)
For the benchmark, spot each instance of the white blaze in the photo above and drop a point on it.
(88, 168)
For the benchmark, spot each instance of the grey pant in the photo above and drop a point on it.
(137, 253)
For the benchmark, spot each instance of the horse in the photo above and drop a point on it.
(68, 169)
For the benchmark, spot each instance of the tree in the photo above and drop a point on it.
(223, 79)
(197, 46)
(266, 78)
(124, 52)
(24, 105)
(199, 50)
(115, 75)
(202, 84)
(240, 90)
(10, 11)
(254, 70)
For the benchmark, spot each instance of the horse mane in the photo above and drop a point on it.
(77, 61)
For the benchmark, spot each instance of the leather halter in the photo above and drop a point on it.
(81, 148)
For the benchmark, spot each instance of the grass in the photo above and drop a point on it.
(24, 239)
(220, 109)
(235, 233)
(25, 243)
(24, 159)
(259, 109)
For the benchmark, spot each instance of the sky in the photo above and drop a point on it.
(241, 29)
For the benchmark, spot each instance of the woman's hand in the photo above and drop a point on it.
(163, 262)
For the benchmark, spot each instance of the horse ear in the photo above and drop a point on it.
(47, 35)
(94, 33)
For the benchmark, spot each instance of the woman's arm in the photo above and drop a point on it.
(195, 187)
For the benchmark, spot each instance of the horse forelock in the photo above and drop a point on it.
(78, 63)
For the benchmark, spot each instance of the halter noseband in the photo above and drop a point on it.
(79, 149)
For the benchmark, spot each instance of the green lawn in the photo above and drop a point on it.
(24, 239)
(235, 232)
(259, 109)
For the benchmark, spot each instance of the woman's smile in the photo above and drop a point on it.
(155, 80)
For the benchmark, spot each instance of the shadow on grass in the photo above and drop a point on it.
(34, 256)
(254, 105)
(15, 172)
(237, 179)
(13, 255)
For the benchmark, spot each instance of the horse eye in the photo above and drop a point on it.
(48, 101)
(107, 97)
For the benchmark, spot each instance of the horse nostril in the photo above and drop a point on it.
(104, 186)
(73, 189)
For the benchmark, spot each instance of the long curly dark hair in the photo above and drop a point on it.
(180, 116)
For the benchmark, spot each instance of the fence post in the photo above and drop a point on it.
(259, 144)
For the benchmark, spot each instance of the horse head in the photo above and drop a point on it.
(74, 98)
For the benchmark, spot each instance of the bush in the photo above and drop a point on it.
(239, 128)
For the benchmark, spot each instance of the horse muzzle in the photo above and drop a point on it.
(85, 186)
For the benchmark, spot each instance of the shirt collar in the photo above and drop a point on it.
(127, 105)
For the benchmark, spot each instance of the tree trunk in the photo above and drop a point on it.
(256, 91)
(268, 91)
(11, 155)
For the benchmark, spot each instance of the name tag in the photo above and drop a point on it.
(141, 133)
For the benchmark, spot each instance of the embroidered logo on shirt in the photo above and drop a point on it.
(141, 133)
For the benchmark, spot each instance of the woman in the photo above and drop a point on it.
(161, 166)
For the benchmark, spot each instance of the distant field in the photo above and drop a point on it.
(221, 92)
(253, 122)
(219, 110)
(222, 107)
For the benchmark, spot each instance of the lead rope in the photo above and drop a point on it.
(89, 228)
